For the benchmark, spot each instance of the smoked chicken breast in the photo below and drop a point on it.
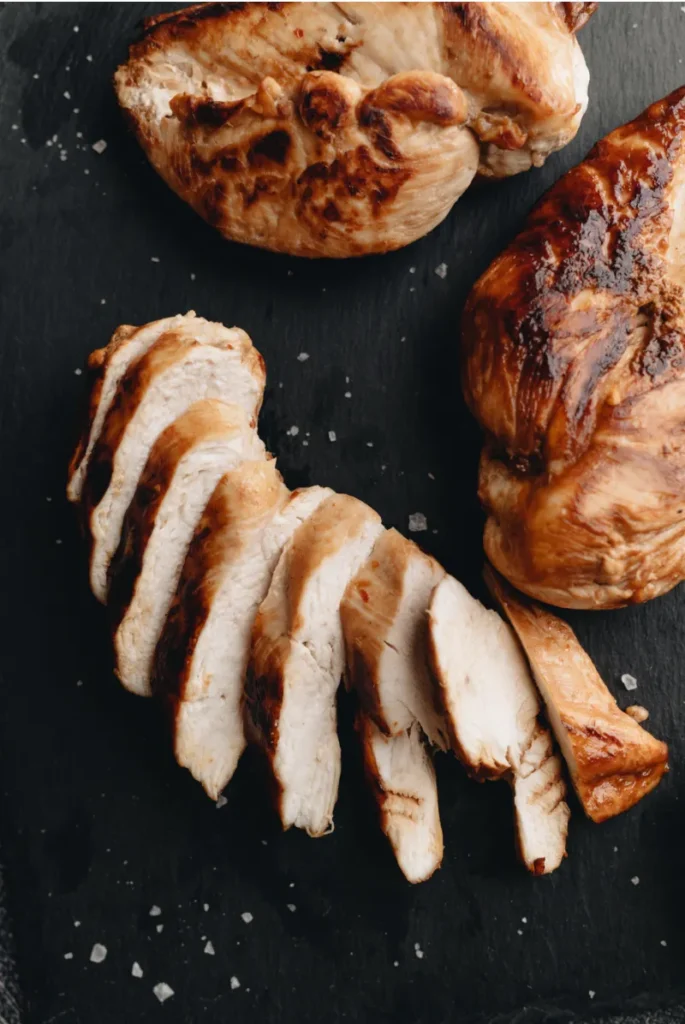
(491, 707)
(338, 129)
(612, 760)
(573, 347)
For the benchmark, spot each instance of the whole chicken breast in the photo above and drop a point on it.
(203, 653)
(491, 708)
(184, 467)
(612, 760)
(338, 129)
(573, 346)
(185, 364)
(298, 659)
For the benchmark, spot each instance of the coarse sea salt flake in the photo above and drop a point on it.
(98, 953)
(209, 948)
(155, 911)
(163, 991)
(137, 970)
(417, 522)
(635, 880)
(247, 917)
(221, 802)
(630, 682)
(332, 436)
(235, 983)
(303, 357)
(100, 146)
(441, 270)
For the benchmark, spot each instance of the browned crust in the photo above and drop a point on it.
(617, 762)
(241, 493)
(206, 420)
(96, 366)
(549, 375)
(576, 15)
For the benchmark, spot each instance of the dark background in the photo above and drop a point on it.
(98, 824)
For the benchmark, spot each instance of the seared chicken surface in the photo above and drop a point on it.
(612, 760)
(339, 129)
(491, 707)
(573, 347)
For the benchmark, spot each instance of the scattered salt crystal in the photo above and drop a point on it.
(86, 171)
(77, 924)
(68, 956)
(303, 357)
(221, 802)
(155, 911)
(234, 982)
(592, 994)
(332, 436)
(79, 682)
(76, 28)
(348, 394)
(635, 880)
(441, 270)
(154, 259)
(294, 431)
(292, 885)
(137, 970)
(418, 951)
(525, 920)
(103, 302)
(78, 371)
(163, 991)
(66, 94)
(663, 941)
(519, 931)
(417, 522)
(630, 682)
(36, 75)
(89, 58)
(98, 953)
(79, 135)
(369, 444)
(58, 540)
(77, 110)
(412, 270)
(192, 277)
(431, 476)
(209, 949)
(396, 963)
(247, 917)
(292, 908)
(205, 907)
(160, 928)
(412, 289)
(100, 146)
(15, 127)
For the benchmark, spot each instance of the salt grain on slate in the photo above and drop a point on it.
(234, 982)
(98, 953)
(78, 371)
(332, 436)
(630, 682)
(292, 908)
(154, 259)
(293, 432)
(348, 394)
(155, 911)
(247, 917)
(100, 146)
(592, 994)
(418, 951)
(68, 956)
(66, 94)
(160, 928)
(221, 802)
(417, 522)
(441, 270)
(163, 991)
(209, 949)
(137, 970)
(635, 880)
(205, 907)
(303, 357)
(663, 942)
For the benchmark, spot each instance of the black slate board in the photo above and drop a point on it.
(97, 822)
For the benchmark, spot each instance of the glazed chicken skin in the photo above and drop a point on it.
(339, 129)
(573, 353)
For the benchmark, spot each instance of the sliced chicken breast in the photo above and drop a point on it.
(172, 375)
(384, 622)
(298, 658)
(107, 366)
(185, 464)
(202, 655)
(612, 760)
(402, 777)
(491, 708)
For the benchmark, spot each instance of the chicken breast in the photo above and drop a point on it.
(338, 129)
(491, 708)
(178, 370)
(202, 655)
(106, 367)
(573, 349)
(184, 467)
(298, 658)
(612, 760)
(402, 777)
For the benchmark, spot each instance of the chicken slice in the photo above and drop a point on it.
(612, 760)
(401, 774)
(185, 465)
(178, 370)
(491, 707)
(298, 658)
(384, 621)
(107, 366)
(202, 655)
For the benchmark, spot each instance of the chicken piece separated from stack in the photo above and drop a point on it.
(241, 605)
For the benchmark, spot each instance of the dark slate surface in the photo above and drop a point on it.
(97, 822)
